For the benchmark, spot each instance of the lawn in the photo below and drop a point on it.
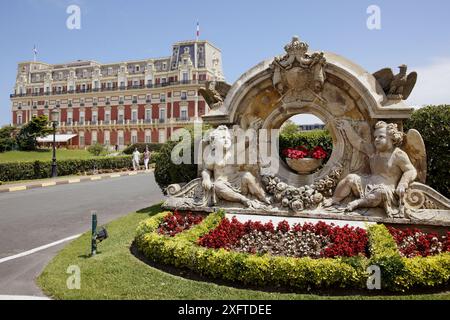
(114, 273)
(43, 155)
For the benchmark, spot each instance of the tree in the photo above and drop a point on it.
(7, 138)
(288, 128)
(36, 128)
(96, 149)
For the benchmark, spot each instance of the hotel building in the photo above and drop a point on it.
(119, 103)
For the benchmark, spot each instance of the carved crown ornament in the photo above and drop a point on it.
(297, 70)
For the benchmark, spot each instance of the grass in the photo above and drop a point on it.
(114, 273)
(43, 155)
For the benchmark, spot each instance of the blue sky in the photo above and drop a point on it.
(416, 33)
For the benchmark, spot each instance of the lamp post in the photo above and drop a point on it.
(55, 116)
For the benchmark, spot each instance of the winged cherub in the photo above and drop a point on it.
(391, 171)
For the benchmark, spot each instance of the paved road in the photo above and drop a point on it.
(33, 218)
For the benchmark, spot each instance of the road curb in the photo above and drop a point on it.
(71, 181)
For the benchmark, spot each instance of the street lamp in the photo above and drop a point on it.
(55, 118)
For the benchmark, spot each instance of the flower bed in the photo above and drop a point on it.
(412, 243)
(397, 273)
(307, 240)
(174, 223)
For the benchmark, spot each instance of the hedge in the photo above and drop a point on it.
(309, 139)
(433, 123)
(301, 273)
(13, 171)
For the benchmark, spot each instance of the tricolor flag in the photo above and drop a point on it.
(198, 30)
(35, 52)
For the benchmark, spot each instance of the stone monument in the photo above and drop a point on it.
(376, 172)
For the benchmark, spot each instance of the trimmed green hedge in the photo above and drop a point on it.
(13, 171)
(433, 123)
(309, 139)
(400, 274)
(302, 273)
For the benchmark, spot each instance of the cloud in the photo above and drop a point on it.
(433, 83)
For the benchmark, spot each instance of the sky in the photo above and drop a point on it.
(416, 33)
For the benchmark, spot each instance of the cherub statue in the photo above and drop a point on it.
(391, 172)
(223, 179)
(214, 93)
(399, 86)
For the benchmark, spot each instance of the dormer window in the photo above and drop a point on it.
(110, 71)
(137, 68)
(84, 73)
(164, 66)
(38, 77)
(61, 76)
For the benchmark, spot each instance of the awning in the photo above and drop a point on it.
(58, 138)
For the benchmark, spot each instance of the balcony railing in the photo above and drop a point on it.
(182, 119)
(161, 120)
(132, 87)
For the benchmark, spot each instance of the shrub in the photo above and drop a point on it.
(141, 147)
(13, 171)
(433, 123)
(166, 172)
(96, 149)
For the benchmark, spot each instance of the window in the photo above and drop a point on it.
(133, 137)
(183, 95)
(148, 136)
(122, 84)
(164, 66)
(162, 113)
(85, 74)
(184, 114)
(163, 80)
(36, 90)
(148, 114)
(120, 138)
(59, 89)
(149, 98)
(94, 137)
(137, 68)
(149, 82)
(110, 71)
(120, 116)
(83, 87)
(81, 117)
(96, 86)
(136, 83)
(107, 138)
(134, 114)
(109, 85)
(71, 88)
(19, 119)
(69, 117)
(107, 116)
(94, 117)
(38, 77)
(61, 76)
(81, 135)
(162, 136)
(162, 97)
